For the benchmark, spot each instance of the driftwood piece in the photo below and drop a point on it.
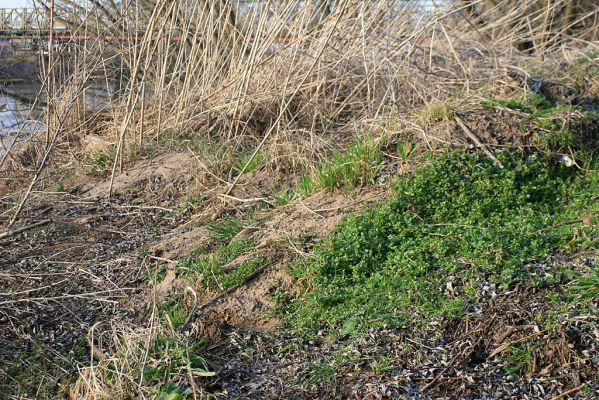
(12, 232)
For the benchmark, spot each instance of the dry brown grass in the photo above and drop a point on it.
(294, 80)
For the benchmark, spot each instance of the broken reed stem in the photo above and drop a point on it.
(12, 232)
(477, 142)
(286, 105)
(50, 76)
(142, 116)
(133, 96)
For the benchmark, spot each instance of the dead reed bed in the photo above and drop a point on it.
(289, 78)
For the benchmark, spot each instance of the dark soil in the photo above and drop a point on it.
(466, 358)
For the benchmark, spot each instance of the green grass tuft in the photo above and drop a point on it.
(322, 373)
(226, 229)
(255, 163)
(283, 198)
(438, 111)
(519, 360)
(174, 310)
(587, 287)
(306, 185)
(357, 167)
(209, 267)
(172, 360)
(529, 103)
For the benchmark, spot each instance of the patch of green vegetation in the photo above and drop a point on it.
(358, 166)
(172, 361)
(587, 287)
(174, 310)
(405, 150)
(528, 103)
(562, 304)
(519, 360)
(226, 229)
(435, 112)
(26, 369)
(253, 163)
(233, 250)
(322, 373)
(80, 349)
(189, 204)
(282, 198)
(100, 162)
(209, 267)
(154, 273)
(306, 185)
(458, 220)
(217, 157)
(215, 278)
(382, 364)
(66, 177)
(171, 391)
(243, 270)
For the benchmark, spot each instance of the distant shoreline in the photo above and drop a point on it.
(19, 67)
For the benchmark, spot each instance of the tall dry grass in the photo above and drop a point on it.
(289, 74)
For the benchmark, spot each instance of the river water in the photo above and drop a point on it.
(17, 118)
(20, 119)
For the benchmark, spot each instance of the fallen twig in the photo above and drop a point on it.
(240, 200)
(567, 392)
(170, 210)
(477, 142)
(12, 232)
(506, 346)
(166, 260)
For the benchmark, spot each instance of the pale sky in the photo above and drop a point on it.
(14, 3)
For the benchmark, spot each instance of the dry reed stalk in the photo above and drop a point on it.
(50, 77)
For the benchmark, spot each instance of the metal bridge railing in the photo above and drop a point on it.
(22, 19)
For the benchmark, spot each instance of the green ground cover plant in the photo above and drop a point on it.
(530, 103)
(253, 163)
(435, 112)
(282, 198)
(30, 365)
(587, 286)
(456, 222)
(519, 360)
